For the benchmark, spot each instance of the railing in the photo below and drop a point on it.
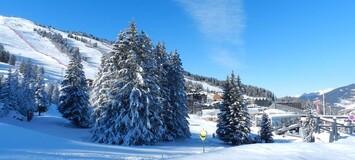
(331, 125)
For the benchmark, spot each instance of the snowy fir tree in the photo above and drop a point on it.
(41, 98)
(150, 87)
(240, 117)
(22, 67)
(309, 126)
(27, 101)
(168, 111)
(128, 101)
(9, 92)
(178, 98)
(49, 90)
(222, 125)
(266, 129)
(55, 94)
(235, 123)
(74, 97)
(129, 113)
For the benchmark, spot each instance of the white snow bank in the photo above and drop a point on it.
(342, 150)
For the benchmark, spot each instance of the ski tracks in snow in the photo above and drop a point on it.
(32, 47)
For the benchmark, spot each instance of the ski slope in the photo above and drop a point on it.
(206, 86)
(18, 38)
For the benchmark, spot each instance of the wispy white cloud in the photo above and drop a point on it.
(226, 58)
(221, 20)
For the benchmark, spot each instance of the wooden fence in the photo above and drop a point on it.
(332, 124)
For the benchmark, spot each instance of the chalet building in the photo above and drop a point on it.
(262, 102)
(217, 97)
(196, 101)
(258, 102)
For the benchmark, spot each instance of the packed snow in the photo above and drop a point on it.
(52, 137)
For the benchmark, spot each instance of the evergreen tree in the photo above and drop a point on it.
(309, 126)
(74, 100)
(9, 92)
(27, 101)
(150, 75)
(239, 120)
(129, 112)
(178, 98)
(55, 94)
(222, 131)
(22, 67)
(266, 129)
(49, 90)
(41, 98)
(107, 122)
(168, 110)
(12, 60)
(234, 125)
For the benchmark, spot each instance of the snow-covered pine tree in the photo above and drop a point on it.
(239, 119)
(168, 111)
(266, 129)
(55, 94)
(178, 98)
(309, 126)
(9, 92)
(4, 91)
(150, 76)
(12, 60)
(41, 98)
(49, 90)
(222, 125)
(74, 99)
(107, 115)
(245, 116)
(128, 114)
(27, 102)
(22, 67)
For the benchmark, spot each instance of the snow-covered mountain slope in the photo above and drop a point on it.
(316, 93)
(335, 97)
(205, 85)
(19, 38)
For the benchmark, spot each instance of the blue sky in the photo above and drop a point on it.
(289, 47)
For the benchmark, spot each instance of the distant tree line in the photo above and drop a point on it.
(250, 90)
(210, 80)
(79, 34)
(6, 57)
(254, 91)
(91, 36)
(81, 39)
(58, 41)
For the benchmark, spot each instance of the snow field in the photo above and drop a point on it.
(52, 137)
